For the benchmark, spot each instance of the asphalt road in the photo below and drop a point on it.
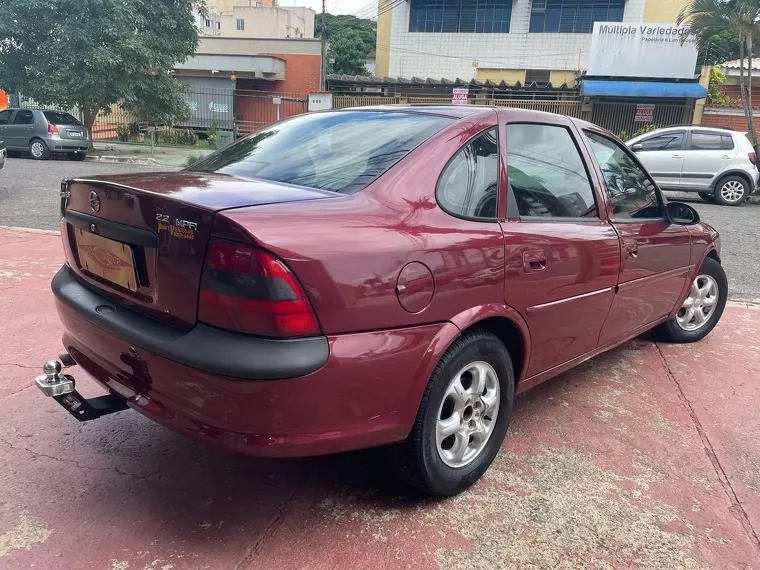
(29, 198)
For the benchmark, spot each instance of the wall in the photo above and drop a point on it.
(254, 46)
(728, 118)
(229, 5)
(295, 22)
(384, 23)
(663, 10)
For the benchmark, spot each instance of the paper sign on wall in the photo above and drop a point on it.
(644, 113)
(459, 96)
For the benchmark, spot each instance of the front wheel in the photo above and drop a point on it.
(463, 417)
(702, 308)
(731, 191)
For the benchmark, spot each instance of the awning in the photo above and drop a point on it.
(642, 89)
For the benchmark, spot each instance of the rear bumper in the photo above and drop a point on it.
(365, 393)
(58, 144)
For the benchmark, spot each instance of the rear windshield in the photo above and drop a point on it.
(58, 118)
(340, 151)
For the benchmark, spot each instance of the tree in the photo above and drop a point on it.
(741, 17)
(348, 53)
(92, 54)
(366, 28)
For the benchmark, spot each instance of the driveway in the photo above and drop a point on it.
(645, 457)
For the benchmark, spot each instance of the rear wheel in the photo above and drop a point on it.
(707, 196)
(731, 191)
(463, 416)
(702, 308)
(39, 150)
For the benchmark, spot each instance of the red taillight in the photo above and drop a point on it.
(52, 129)
(248, 290)
(752, 157)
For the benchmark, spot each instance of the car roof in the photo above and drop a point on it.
(460, 111)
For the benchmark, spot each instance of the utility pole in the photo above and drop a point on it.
(324, 48)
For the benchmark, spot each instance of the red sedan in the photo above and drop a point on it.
(374, 276)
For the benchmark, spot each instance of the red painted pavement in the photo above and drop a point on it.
(646, 457)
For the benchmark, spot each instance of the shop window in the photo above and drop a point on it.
(465, 16)
(573, 16)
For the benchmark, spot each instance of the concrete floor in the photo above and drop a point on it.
(645, 457)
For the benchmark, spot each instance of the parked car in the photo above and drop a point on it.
(43, 133)
(358, 278)
(2, 154)
(720, 164)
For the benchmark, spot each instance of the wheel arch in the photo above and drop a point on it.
(740, 173)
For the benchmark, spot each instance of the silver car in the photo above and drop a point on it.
(43, 133)
(2, 154)
(718, 163)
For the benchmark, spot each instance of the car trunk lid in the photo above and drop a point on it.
(141, 238)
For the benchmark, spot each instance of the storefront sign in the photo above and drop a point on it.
(459, 96)
(644, 113)
(642, 50)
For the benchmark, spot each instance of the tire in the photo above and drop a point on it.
(420, 457)
(707, 197)
(39, 150)
(710, 273)
(727, 191)
(78, 156)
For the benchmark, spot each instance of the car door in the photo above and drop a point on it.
(662, 155)
(21, 129)
(656, 254)
(562, 257)
(707, 154)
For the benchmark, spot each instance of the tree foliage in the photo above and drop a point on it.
(347, 54)
(94, 53)
(367, 29)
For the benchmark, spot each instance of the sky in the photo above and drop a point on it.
(356, 7)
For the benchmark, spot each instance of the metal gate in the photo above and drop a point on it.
(619, 117)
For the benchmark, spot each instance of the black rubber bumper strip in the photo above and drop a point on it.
(205, 348)
(112, 230)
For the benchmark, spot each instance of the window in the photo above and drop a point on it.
(667, 141)
(537, 76)
(5, 116)
(728, 143)
(24, 117)
(573, 16)
(208, 23)
(240, 24)
(465, 16)
(546, 173)
(469, 185)
(58, 118)
(341, 151)
(708, 141)
(218, 25)
(633, 194)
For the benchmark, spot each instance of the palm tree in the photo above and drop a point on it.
(710, 17)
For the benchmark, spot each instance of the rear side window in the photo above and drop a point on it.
(24, 117)
(342, 151)
(546, 173)
(669, 141)
(5, 116)
(58, 118)
(728, 143)
(469, 184)
(706, 141)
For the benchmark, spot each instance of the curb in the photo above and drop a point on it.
(126, 160)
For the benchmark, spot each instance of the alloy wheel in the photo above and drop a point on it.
(732, 191)
(700, 305)
(468, 414)
(37, 149)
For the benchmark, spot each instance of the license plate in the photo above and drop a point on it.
(106, 258)
(75, 134)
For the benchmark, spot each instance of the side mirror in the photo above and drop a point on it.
(637, 147)
(681, 214)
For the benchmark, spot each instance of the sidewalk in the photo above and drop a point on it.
(141, 154)
(645, 457)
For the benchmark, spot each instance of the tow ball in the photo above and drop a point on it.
(61, 387)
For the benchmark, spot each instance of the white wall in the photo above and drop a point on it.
(450, 55)
(262, 22)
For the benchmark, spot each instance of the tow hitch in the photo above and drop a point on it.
(60, 387)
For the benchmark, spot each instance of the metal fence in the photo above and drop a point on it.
(621, 117)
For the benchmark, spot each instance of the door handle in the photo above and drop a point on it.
(677, 156)
(725, 157)
(631, 247)
(534, 261)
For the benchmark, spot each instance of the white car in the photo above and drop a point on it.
(2, 154)
(718, 163)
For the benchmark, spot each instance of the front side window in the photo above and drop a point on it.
(573, 16)
(24, 117)
(706, 141)
(462, 16)
(632, 192)
(469, 185)
(668, 141)
(341, 151)
(546, 173)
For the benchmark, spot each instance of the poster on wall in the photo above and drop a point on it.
(642, 50)
(644, 113)
(459, 96)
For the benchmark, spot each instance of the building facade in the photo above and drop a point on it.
(529, 41)
(255, 19)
